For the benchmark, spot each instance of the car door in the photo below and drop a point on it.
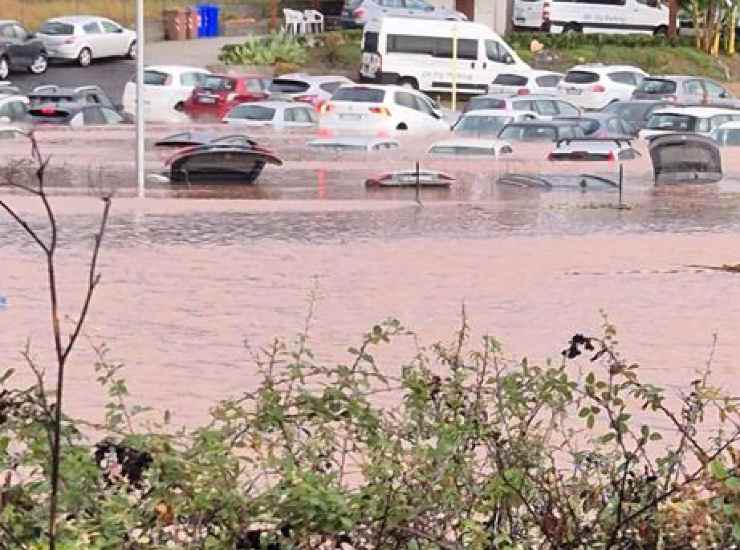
(693, 91)
(27, 46)
(95, 38)
(116, 39)
(16, 53)
(717, 94)
(298, 117)
(93, 116)
(407, 110)
(545, 108)
(623, 83)
(429, 118)
(110, 116)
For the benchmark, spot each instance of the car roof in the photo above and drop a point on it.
(537, 97)
(470, 142)
(60, 90)
(492, 112)
(697, 111)
(274, 104)
(594, 115)
(77, 19)
(675, 77)
(601, 68)
(312, 78)
(351, 140)
(731, 125)
(176, 68)
(544, 123)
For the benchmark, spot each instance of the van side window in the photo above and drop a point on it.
(496, 52)
(429, 45)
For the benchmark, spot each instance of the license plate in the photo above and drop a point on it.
(206, 100)
(574, 91)
(350, 117)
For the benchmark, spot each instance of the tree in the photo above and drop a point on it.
(672, 15)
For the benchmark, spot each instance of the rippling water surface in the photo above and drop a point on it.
(190, 274)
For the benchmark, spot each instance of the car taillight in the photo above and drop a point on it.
(306, 99)
(522, 91)
(598, 88)
(611, 156)
(326, 107)
(48, 110)
(546, 11)
(380, 111)
(359, 13)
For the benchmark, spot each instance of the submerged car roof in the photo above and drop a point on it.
(698, 111)
(471, 142)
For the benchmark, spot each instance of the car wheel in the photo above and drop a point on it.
(409, 83)
(132, 50)
(85, 57)
(402, 126)
(661, 31)
(39, 65)
(4, 68)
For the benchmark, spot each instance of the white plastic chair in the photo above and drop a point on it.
(313, 19)
(295, 23)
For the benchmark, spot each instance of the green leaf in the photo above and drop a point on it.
(717, 469)
(590, 422)
(590, 379)
(584, 412)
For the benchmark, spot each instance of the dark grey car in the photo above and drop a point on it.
(687, 90)
(541, 131)
(603, 125)
(637, 111)
(20, 49)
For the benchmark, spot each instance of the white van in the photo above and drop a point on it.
(417, 53)
(610, 16)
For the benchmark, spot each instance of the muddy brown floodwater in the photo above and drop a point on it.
(189, 275)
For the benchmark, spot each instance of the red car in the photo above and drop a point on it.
(218, 94)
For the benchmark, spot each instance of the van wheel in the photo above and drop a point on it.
(410, 83)
(402, 126)
(572, 28)
(661, 31)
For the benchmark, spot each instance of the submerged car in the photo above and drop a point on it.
(593, 149)
(684, 89)
(635, 111)
(411, 178)
(603, 125)
(353, 143)
(685, 158)
(579, 182)
(541, 131)
(471, 147)
(216, 95)
(727, 135)
(488, 122)
(275, 114)
(699, 120)
(305, 88)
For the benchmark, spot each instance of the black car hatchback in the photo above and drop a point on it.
(20, 49)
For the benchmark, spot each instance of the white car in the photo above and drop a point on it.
(381, 109)
(593, 149)
(488, 122)
(546, 107)
(315, 90)
(353, 143)
(728, 134)
(275, 114)
(594, 86)
(525, 82)
(13, 106)
(471, 147)
(85, 38)
(695, 120)
(166, 87)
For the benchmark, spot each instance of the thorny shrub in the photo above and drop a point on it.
(463, 449)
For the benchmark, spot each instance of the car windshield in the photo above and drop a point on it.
(156, 78)
(504, 79)
(516, 132)
(673, 122)
(359, 94)
(287, 86)
(460, 150)
(629, 111)
(219, 83)
(56, 28)
(729, 137)
(43, 98)
(252, 112)
(581, 77)
(484, 125)
(657, 86)
(483, 102)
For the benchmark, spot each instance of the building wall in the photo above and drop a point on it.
(489, 12)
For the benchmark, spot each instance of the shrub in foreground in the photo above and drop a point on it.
(463, 448)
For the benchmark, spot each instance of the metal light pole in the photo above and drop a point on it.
(140, 176)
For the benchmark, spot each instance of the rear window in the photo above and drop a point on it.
(529, 133)
(581, 77)
(371, 42)
(219, 83)
(155, 78)
(252, 112)
(588, 125)
(633, 112)
(286, 86)
(364, 95)
(657, 86)
(55, 28)
(482, 125)
(460, 150)
(673, 122)
(511, 80)
(478, 103)
(548, 81)
(36, 99)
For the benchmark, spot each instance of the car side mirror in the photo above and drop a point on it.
(119, 30)
(724, 95)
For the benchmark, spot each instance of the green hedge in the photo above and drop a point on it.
(521, 40)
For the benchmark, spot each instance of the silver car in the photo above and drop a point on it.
(356, 13)
(275, 114)
(85, 37)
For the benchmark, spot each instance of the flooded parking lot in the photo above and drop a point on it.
(190, 273)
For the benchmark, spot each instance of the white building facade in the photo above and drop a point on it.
(496, 14)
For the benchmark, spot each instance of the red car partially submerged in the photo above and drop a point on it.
(218, 94)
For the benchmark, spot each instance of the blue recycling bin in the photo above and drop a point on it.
(209, 15)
